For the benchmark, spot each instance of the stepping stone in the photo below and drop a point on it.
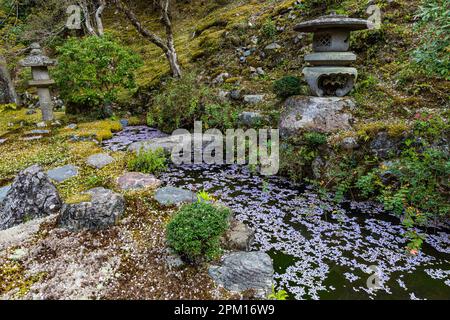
(38, 132)
(64, 173)
(32, 138)
(99, 160)
(3, 192)
(174, 196)
(254, 98)
(136, 181)
(72, 126)
(242, 271)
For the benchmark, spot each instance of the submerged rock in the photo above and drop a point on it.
(32, 195)
(101, 212)
(137, 180)
(100, 160)
(242, 271)
(64, 173)
(314, 113)
(174, 196)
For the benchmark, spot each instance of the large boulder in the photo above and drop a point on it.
(101, 211)
(32, 195)
(316, 114)
(245, 271)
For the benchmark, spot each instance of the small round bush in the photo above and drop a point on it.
(287, 86)
(196, 229)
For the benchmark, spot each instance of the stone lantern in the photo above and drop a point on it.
(39, 64)
(330, 73)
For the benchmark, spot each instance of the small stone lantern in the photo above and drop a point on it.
(330, 73)
(39, 64)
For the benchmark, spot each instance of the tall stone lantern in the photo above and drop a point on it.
(329, 73)
(39, 64)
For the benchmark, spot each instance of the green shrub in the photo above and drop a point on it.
(269, 29)
(286, 87)
(433, 31)
(196, 229)
(91, 71)
(150, 161)
(315, 138)
(183, 101)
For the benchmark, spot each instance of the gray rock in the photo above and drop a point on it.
(174, 196)
(99, 160)
(136, 181)
(317, 167)
(221, 78)
(314, 113)
(241, 271)
(41, 124)
(2, 141)
(349, 144)
(173, 260)
(170, 142)
(250, 118)
(239, 237)
(383, 146)
(3, 192)
(64, 173)
(32, 195)
(254, 98)
(103, 211)
(39, 132)
(273, 46)
(30, 112)
(124, 122)
(235, 94)
(72, 126)
(32, 138)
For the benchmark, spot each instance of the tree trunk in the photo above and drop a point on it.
(167, 47)
(7, 91)
(98, 18)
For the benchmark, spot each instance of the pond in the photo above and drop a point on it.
(322, 250)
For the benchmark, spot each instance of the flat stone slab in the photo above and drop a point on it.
(242, 271)
(254, 98)
(32, 138)
(38, 132)
(175, 141)
(3, 192)
(137, 180)
(99, 160)
(64, 173)
(174, 196)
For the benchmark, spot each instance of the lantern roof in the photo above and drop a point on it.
(37, 58)
(334, 21)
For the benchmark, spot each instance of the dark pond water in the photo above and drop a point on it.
(323, 250)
